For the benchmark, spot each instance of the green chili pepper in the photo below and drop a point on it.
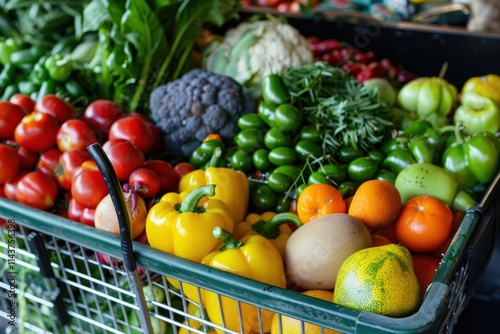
(311, 132)
(283, 203)
(282, 156)
(362, 169)
(346, 154)
(27, 87)
(74, 89)
(7, 76)
(275, 137)
(9, 91)
(249, 139)
(47, 87)
(26, 56)
(318, 177)
(288, 118)
(39, 73)
(250, 120)
(266, 111)
(260, 159)
(417, 127)
(59, 67)
(306, 148)
(7, 47)
(334, 172)
(274, 89)
(398, 159)
(279, 182)
(422, 150)
(264, 198)
(241, 160)
(386, 176)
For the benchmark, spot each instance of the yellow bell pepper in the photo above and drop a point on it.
(253, 257)
(232, 186)
(270, 225)
(487, 86)
(182, 224)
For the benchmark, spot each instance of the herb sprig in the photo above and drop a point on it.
(346, 111)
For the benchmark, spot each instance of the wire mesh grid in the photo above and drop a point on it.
(96, 294)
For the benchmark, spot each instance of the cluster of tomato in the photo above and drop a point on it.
(361, 65)
(45, 163)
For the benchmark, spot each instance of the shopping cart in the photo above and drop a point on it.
(72, 278)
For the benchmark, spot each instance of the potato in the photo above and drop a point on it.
(316, 250)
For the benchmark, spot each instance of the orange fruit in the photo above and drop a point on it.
(376, 203)
(288, 325)
(379, 240)
(424, 224)
(318, 200)
(425, 267)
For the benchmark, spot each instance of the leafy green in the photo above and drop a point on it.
(143, 44)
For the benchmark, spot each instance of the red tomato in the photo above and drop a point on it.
(27, 158)
(135, 130)
(10, 116)
(75, 134)
(9, 163)
(68, 162)
(100, 114)
(88, 187)
(167, 174)
(48, 162)
(24, 101)
(75, 210)
(182, 168)
(87, 217)
(10, 187)
(124, 156)
(37, 132)
(52, 105)
(37, 190)
(145, 181)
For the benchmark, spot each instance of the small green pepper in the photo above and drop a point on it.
(260, 159)
(283, 203)
(417, 127)
(282, 156)
(398, 159)
(249, 139)
(291, 171)
(311, 132)
(264, 198)
(306, 148)
(241, 160)
(346, 154)
(393, 143)
(250, 120)
(266, 111)
(26, 56)
(7, 47)
(274, 89)
(385, 175)
(334, 172)
(348, 188)
(275, 137)
(279, 182)
(288, 118)
(362, 169)
(422, 150)
(59, 67)
(318, 177)
(7, 76)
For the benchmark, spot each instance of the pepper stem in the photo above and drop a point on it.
(216, 157)
(190, 203)
(271, 228)
(230, 242)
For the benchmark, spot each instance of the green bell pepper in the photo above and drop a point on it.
(398, 159)
(474, 159)
(59, 67)
(274, 89)
(7, 47)
(422, 149)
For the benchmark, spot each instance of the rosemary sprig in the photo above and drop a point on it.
(347, 112)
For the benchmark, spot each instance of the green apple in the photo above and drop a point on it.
(385, 91)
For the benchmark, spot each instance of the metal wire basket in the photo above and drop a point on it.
(68, 277)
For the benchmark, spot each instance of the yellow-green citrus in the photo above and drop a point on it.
(380, 280)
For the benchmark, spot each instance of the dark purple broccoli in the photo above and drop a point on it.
(190, 108)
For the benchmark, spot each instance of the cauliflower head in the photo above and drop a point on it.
(199, 103)
(253, 50)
